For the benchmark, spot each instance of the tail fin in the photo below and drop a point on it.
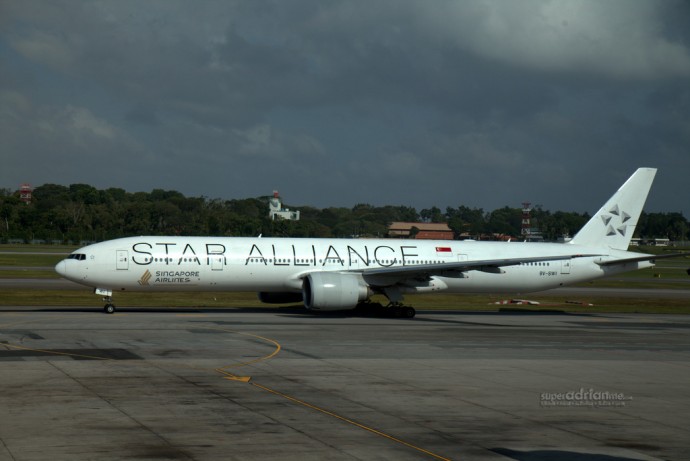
(613, 225)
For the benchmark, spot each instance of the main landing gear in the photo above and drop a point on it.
(392, 310)
(395, 307)
(407, 312)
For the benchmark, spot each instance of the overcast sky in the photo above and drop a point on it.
(334, 103)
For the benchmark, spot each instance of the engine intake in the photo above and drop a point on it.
(328, 291)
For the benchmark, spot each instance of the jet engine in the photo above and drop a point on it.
(270, 297)
(328, 291)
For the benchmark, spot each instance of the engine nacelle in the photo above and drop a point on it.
(287, 297)
(329, 291)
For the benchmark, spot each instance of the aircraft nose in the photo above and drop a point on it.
(61, 268)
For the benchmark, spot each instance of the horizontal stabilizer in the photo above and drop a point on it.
(615, 262)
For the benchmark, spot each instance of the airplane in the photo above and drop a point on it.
(328, 274)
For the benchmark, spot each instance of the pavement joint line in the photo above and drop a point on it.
(21, 322)
(350, 421)
(71, 354)
(145, 362)
(124, 412)
(7, 449)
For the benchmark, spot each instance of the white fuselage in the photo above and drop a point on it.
(280, 264)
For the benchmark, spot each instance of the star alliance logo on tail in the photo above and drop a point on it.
(609, 221)
(144, 280)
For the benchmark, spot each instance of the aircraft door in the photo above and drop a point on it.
(565, 266)
(121, 260)
(217, 262)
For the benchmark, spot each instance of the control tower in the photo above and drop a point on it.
(526, 230)
(25, 193)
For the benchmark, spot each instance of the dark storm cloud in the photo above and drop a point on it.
(484, 103)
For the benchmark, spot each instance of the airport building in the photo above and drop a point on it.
(420, 231)
(276, 210)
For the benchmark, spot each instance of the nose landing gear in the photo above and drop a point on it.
(109, 307)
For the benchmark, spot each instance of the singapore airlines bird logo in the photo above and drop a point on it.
(144, 280)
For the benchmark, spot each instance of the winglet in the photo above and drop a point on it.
(614, 224)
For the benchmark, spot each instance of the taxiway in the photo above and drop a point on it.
(245, 384)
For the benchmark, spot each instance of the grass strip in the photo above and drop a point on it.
(206, 300)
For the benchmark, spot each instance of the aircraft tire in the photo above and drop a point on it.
(109, 308)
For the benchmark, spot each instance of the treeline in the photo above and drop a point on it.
(80, 213)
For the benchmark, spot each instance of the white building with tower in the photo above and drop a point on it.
(276, 210)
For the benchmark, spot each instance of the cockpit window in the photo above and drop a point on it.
(77, 256)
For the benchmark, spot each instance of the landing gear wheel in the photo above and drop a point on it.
(109, 308)
(404, 312)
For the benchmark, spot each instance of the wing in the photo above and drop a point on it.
(390, 275)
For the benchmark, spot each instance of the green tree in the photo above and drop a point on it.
(505, 220)
(433, 215)
(466, 220)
